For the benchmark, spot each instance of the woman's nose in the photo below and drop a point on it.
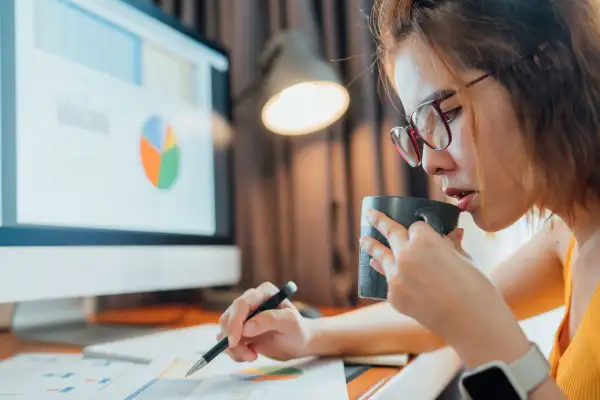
(436, 162)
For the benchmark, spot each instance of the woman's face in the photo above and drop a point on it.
(497, 150)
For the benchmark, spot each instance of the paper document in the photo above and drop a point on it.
(60, 376)
(157, 345)
(69, 376)
(264, 379)
(223, 378)
(436, 368)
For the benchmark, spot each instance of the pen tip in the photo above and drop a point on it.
(196, 367)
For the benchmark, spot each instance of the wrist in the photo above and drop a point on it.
(319, 341)
(523, 378)
(499, 339)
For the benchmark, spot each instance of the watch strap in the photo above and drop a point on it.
(531, 369)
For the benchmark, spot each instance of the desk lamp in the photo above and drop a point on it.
(300, 92)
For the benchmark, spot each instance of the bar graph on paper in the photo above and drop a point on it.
(39, 376)
(262, 380)
(242, 385)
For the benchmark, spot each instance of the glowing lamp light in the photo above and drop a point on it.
(301, 94)
(305, 108)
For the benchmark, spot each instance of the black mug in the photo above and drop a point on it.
(443, 217)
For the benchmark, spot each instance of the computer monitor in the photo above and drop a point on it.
(115, 153)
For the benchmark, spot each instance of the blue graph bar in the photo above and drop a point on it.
(58, 375)
(67, 30)
(140, 390)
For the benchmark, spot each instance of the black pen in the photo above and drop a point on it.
(271, 303)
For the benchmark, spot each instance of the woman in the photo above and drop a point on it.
(503, 99)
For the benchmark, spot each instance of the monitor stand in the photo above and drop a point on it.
(63, 321)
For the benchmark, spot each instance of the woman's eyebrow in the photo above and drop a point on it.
(438, 94)
(435, 95)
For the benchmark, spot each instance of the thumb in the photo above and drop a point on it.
(456, 236)
(280, 320)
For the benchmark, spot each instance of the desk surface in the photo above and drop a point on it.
(177, 317)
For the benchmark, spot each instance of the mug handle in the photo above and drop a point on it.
(431, 219)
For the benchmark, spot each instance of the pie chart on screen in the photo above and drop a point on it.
(160, 153)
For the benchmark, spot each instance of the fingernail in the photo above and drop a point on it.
(365, 243)
(371, 215)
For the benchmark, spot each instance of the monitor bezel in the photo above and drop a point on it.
(30, 235)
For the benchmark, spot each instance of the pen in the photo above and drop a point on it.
(271, 303)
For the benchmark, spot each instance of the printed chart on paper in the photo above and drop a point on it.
(263, 379)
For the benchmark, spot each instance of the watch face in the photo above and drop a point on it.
(490, 384)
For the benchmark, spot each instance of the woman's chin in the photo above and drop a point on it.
(489, 223)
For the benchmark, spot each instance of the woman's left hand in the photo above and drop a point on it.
(430, 280)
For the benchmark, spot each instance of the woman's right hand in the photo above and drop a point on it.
(280, 334)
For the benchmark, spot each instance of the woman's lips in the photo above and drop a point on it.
(463, 202)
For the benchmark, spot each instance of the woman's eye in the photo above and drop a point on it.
(451, 115)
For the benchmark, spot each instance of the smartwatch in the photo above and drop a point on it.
(498, 380)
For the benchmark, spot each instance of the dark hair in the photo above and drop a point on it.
(546, 53)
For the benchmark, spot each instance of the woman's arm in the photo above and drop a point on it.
(507, 344)
(530, 281)
(374, 329)
(431, 282)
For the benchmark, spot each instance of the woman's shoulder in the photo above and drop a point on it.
(559, 237)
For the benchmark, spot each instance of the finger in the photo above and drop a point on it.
(238, 312)
(395, 233)
(242, 353)
(380, 253)
(242, 307)
(224, 321)
(376, 266)
(268, 290)
(456, 236)
(421, 229)
(282, 320)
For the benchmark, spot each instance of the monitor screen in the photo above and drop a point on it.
(115, 128)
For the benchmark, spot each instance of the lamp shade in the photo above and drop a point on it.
(301, 92)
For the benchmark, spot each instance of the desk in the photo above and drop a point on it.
(177, 317)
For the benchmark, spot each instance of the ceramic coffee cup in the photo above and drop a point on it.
(443, 217)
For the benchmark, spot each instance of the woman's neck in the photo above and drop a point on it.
(584, 223)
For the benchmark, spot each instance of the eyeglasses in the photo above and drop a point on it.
(428, 124)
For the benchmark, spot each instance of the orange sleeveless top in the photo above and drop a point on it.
(576, 365)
